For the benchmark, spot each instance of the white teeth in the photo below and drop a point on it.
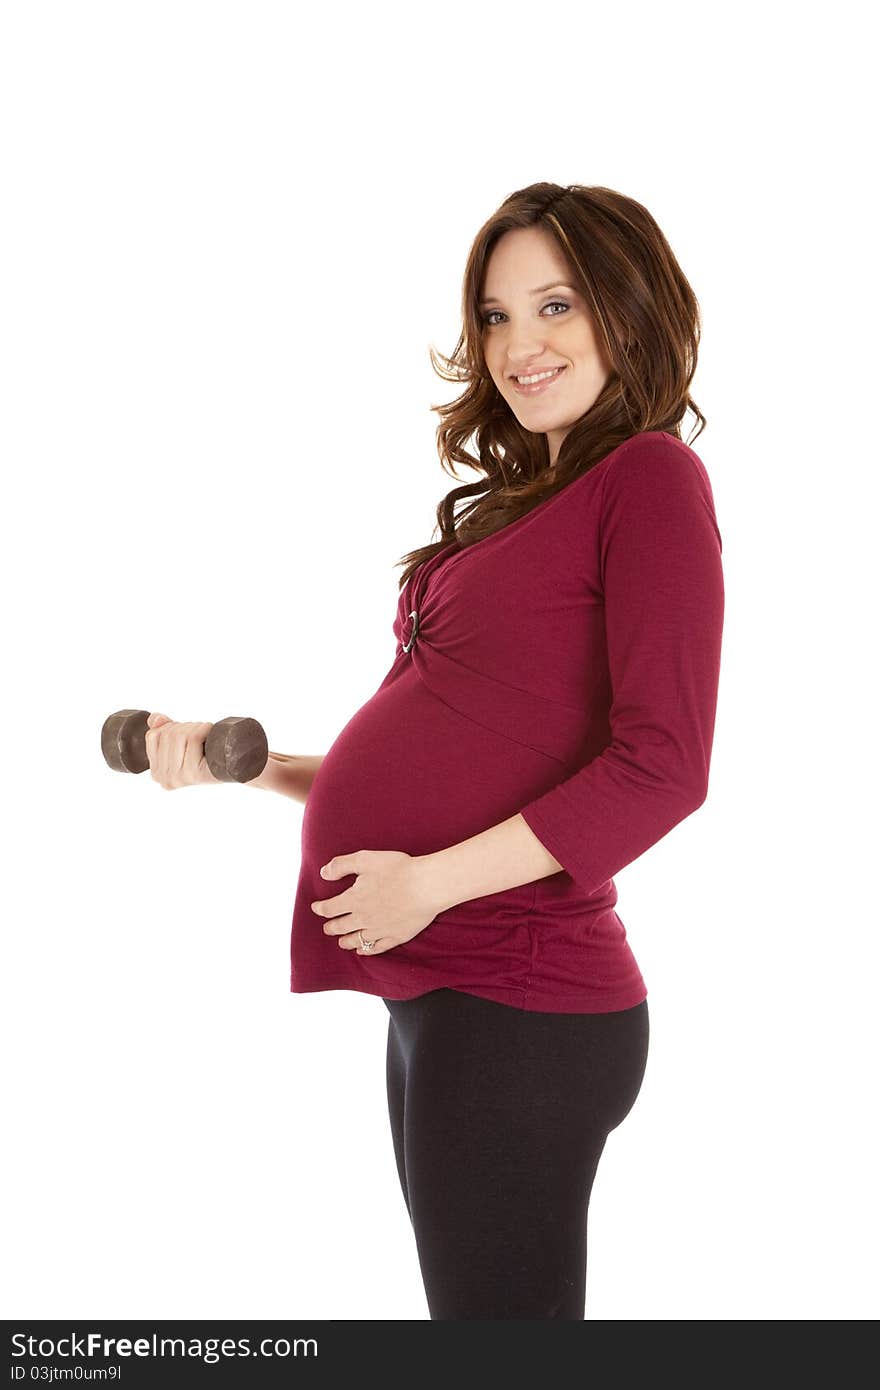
(541, 376)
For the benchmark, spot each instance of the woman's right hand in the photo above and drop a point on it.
(177, 753)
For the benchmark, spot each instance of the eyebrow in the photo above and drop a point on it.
(554, 285)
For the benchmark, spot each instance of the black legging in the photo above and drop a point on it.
(499, 1116)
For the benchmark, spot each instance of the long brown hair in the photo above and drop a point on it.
(644, 311)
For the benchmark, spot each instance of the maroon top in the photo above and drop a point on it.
(565, 667)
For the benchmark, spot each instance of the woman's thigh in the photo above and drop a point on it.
(501, 1116)
(395, 1082)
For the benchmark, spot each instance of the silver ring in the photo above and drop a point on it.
(414, 618)
(367, 945)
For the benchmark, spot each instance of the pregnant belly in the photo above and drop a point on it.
(409, 772)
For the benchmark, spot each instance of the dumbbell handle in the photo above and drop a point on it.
(236, 749)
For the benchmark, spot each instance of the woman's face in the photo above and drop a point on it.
(534, 319)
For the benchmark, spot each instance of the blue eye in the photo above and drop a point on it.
(553, 302)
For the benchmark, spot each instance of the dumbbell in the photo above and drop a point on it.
(236, 749)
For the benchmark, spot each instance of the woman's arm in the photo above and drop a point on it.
(289, 775)
(663, 593)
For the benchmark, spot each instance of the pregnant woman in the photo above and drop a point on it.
(547, 717)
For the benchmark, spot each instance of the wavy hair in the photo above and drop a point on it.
(643, 309)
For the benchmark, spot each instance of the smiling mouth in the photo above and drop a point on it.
(537, 386)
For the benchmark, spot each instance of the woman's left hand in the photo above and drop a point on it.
(387, 900)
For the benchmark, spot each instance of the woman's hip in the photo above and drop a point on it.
(468, 1055)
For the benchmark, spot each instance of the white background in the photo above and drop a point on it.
(230, 233)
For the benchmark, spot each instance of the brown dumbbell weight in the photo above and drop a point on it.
(236, 749)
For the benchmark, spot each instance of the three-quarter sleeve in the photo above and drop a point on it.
(663, 590)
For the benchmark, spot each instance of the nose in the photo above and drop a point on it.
(524, 352)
